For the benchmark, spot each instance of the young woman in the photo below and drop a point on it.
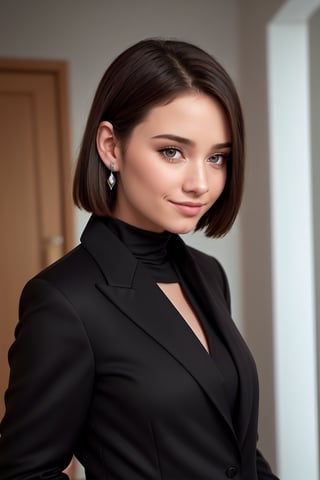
(125, 353)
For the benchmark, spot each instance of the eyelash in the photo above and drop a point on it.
(222, 156)
(163, 152)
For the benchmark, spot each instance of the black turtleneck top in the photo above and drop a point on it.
(150, 248)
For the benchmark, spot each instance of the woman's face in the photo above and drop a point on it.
(175, 165)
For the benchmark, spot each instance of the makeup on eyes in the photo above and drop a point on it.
(165, 153)
(173, 153)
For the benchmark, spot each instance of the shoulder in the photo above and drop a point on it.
(69, 281)
(211, 271)
(202, 256)
(71, 270)
(207, 266)
(207, 263)
(77, 259)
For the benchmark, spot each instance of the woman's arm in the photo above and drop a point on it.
(50, 386)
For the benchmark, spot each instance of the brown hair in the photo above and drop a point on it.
(150, 73)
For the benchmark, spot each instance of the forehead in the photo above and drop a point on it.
(188, 114)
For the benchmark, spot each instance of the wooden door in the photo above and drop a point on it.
(35, 198)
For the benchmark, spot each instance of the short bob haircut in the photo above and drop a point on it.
(150, 73)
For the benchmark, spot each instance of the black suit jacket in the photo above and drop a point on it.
(100, 370)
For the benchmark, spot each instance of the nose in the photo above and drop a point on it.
(195, 180)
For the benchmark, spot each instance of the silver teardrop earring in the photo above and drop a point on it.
(111, 179)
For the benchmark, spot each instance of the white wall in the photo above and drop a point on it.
(314, 39)
(293, 221)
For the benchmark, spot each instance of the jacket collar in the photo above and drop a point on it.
(115, 261)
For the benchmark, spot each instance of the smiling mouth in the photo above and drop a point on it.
(189, 204)
(189, 209)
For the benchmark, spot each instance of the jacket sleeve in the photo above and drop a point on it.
(51, 377)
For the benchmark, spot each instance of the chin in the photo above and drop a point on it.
(182, 230)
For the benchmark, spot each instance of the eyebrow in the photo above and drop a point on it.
(187, 141)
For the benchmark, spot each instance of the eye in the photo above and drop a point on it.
(171, 153)
(218, 159)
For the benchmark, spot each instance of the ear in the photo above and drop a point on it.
(107, 145)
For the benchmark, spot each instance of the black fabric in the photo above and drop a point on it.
(219, 353)
(151, 249)
(148, 247)
(99, 369)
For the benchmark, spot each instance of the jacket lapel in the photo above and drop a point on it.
(218, 315)
(149, 308)
(141, 300)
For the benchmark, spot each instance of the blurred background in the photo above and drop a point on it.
(52, 56)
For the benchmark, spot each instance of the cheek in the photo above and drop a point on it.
(218, 182)
(155, 177)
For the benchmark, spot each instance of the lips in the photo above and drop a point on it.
(189, 209)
